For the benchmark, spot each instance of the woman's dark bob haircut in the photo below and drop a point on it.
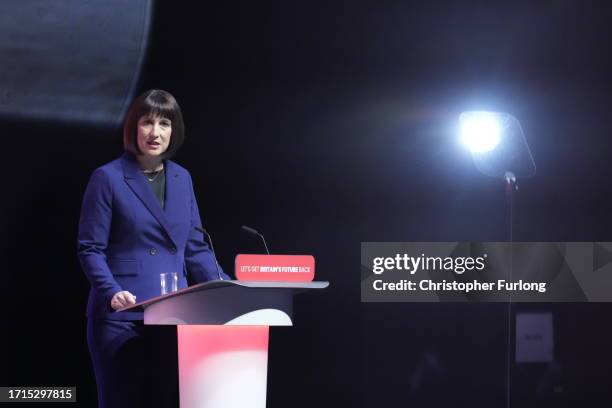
(154, 102)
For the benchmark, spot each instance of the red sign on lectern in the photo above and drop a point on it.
(284, 268)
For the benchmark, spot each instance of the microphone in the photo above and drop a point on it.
(203, 231)
(255, 232)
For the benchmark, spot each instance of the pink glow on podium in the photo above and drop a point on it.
(222, 366)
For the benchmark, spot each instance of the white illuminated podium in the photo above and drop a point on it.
(222, 333)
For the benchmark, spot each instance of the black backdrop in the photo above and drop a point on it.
(324, 125)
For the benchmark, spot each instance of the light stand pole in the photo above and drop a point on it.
(511, 188)
(497, 144)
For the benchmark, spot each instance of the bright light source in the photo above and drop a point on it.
(480, 131)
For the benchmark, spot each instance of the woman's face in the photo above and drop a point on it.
(153, 135)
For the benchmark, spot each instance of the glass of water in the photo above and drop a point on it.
(169, 282)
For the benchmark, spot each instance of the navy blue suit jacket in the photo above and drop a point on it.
(126, 239)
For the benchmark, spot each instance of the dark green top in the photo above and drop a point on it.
(157, 181)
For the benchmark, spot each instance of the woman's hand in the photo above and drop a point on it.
(122, 299)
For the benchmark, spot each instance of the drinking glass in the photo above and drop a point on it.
(169, 282)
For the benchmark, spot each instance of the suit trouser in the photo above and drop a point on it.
(135, 365)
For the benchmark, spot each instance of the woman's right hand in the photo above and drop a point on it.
(122, 299)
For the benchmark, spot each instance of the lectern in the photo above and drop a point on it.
(222, 333)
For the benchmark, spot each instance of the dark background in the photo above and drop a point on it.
(324, 125)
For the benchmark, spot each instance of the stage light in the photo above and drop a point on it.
(497, 144)
(480, 131)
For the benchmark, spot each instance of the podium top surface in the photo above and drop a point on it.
(210, 285)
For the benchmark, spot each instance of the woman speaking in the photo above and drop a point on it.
(138, 221)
